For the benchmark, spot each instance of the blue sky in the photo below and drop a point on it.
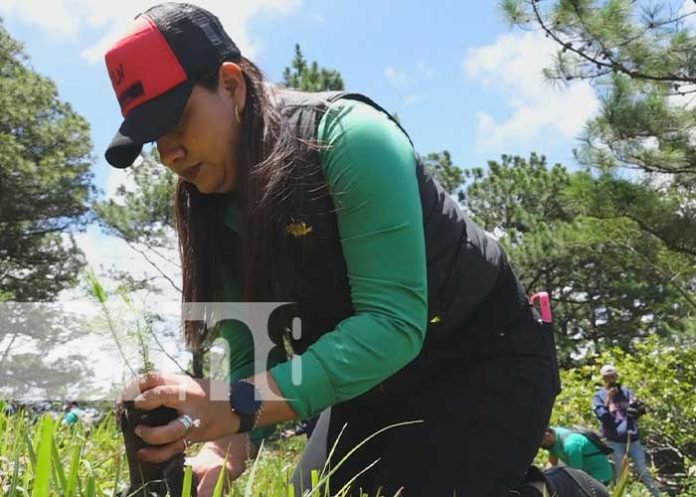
(458, 76)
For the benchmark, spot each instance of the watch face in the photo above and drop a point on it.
(245, 399)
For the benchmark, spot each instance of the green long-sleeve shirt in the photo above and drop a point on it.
(373, 166)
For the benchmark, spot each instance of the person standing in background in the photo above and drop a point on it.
(618, 410)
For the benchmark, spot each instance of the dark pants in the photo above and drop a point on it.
(561, 481)
(484, 400)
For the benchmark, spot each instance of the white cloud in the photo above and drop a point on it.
(120, 177)
(512, 67)
(318, 18)
(395, 77)
(689, 8)
(407, 85)
(424, 68)
(411, 99)
(105, 252)
(69, 17)
(53, 16)
(688, 98)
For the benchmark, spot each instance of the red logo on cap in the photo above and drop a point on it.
(142, 66)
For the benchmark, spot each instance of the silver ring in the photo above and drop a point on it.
(186, 421)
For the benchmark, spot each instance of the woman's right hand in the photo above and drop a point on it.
(210, 462)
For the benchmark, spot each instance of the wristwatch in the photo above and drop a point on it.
(245, 400)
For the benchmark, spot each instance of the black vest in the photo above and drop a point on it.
(463, 262)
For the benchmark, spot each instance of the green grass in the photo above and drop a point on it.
(40, 457)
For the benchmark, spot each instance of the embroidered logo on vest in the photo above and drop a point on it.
(298, 229)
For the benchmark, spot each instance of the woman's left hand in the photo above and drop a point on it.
(205, 402)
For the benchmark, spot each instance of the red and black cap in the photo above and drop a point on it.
(154, 67)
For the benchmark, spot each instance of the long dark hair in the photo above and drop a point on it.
(268, 154)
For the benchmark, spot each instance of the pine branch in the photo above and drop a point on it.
(669, 279)
(689, 250)
(612, 64)
(154, 265)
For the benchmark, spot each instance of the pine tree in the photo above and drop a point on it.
(310, 77)
(641, 58)
(441, 166)
(45, 181)
(609, 283)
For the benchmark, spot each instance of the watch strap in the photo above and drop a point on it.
(245, 401)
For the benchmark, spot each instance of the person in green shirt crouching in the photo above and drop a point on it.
(577, 451)
(73, 413)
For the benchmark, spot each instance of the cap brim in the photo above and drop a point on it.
(146, 123)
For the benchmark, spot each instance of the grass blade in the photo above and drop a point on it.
(71, 486)
(30, 450)
(188, 481)
(43, 462)
(15, 479)
(91, 487)
(58, 471)
(325, 478)
(347, 486)
(4, 428)
(20, 429)
(118, 475)
(250, 482)
(219, 485)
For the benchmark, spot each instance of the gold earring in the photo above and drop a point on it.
(236, 114)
